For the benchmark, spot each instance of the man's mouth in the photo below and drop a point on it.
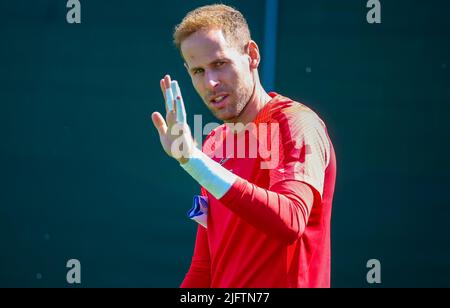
(219, 100)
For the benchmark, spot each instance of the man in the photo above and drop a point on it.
(268, 222)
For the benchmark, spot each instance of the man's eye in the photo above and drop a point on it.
(198, 71)
(218, 64)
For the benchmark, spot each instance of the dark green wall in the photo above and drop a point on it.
(83, 175)
(384, 91)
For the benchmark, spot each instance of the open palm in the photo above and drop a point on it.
(174, 133)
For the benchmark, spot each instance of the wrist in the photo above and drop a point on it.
(193, 152)
(208, 173)
(183, 160)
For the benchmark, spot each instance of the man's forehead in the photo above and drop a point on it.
(211, 36)
(205, 46)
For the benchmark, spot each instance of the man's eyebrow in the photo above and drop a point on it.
(221, 59)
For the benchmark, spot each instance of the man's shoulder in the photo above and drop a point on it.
(290, 112)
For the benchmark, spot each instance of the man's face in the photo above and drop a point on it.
(220, 73)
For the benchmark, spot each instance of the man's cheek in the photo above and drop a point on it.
(199, 90)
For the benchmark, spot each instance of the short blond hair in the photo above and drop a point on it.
(216, 16)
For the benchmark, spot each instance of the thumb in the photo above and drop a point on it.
(159, 123)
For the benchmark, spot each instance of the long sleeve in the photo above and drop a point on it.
(281, 212)
(199, 274)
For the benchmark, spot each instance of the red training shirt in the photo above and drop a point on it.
(272, 228)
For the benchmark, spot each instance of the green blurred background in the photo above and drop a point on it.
(83, 175)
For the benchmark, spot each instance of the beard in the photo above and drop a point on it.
(238, 100)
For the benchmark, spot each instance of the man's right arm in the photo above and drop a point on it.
(199, 274)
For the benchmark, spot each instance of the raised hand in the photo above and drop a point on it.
(174, 133)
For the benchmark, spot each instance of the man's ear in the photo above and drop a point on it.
(253, 52)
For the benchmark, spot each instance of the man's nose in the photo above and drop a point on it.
(212, 80)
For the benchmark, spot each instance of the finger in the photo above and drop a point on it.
(163, 91)
(169, 99)
(159, 123)
(175, 89)
(171, 119)
(167, 81)
(163, 88)
(168, 94)
(179, 104)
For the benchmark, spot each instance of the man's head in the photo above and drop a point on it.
(220, 57)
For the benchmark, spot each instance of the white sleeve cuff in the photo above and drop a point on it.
(209, 173)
